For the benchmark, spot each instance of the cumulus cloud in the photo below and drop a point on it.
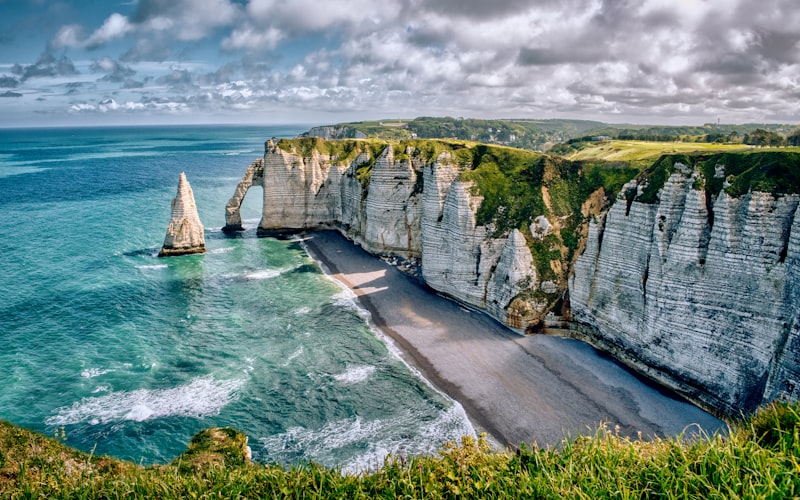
(250, 38)
(47, 65)
(114, 70)
(116, 26)
(8, 82)
(585, 58)
(187, 19)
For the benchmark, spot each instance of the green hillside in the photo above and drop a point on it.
(565, 135)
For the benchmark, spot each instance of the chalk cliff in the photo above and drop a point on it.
(184, 231)
(412, 204)
(691, 276)
(698, 290)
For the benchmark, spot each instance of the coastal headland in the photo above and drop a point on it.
(519, 389)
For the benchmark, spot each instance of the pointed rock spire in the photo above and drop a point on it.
(184, 232)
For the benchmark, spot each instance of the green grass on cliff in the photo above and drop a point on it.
(759, 458)
(775, 171)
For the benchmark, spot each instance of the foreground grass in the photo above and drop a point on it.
(758, 459)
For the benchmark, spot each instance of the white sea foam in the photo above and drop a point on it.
(152, 266)
(93, 372)
(354, 374)
(201, 397)
(101, 388)
(237, 152)
(302, 311)
(293, 356)
(379, 438)
(221, 250)
(8, 172)
(265, 274)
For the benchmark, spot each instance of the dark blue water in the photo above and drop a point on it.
(131, 355)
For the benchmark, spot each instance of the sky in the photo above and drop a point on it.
(101, 62)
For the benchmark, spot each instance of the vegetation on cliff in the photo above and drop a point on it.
(770, 171)
(757, 459)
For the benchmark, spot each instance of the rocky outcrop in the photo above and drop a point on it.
(698, 291)
(400, 204)
(184, 232)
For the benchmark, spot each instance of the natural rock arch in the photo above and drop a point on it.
(254, 176)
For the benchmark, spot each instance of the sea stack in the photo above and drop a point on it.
(184, 232)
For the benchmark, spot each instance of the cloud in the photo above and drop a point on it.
(9, 93)
(116, 26)
(8, 82)
(110, 105)
(114, 71)
(186, 19)
(155, 48)
(70, 35)
(250, 38)
(677, 59)
(46, 66)
(178, 80)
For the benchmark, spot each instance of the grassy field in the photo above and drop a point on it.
(759, 458)
(637, 152)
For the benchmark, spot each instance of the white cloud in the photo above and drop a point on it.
(187, 20)
(68, 36)
(116, 26)
(250, 38)
(583, 58)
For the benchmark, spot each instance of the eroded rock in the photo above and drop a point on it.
(185, 232)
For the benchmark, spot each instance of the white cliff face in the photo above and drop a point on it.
(700, 294)
(411, 208)
(393, 207)
(184, 232)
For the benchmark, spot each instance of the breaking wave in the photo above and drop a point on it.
(201, 397)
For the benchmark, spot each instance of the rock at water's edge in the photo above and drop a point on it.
(184, 232)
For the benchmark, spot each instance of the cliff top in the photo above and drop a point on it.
(775, 171)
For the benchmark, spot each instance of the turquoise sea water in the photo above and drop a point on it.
(131, 355)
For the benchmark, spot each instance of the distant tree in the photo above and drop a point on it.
(794, 138)
(761, 137)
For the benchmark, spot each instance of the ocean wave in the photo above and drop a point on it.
(201, 397)
(266, 274)
(221, 250)
(238, 152)
(293, 356)
(93, 372)
(354, 374)
(152, 266)
(402, 435)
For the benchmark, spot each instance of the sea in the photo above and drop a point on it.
(117, 352)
